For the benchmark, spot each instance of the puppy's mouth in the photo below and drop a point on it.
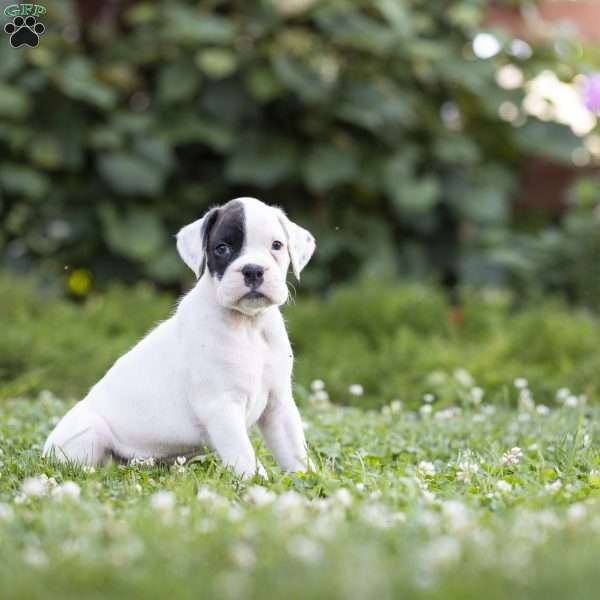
(254, 295)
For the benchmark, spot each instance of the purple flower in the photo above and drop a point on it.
(591, 93)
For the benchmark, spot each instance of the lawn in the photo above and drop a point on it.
(474, 480)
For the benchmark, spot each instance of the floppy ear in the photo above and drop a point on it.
(192, 241)
(301, 244)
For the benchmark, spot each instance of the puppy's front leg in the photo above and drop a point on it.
(282, 430)
(229, 439)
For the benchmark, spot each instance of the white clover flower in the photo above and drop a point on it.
(67, 490)
(356, 389)
(526, 400)
(141, 461)
(319, 397)
(257, 495)
(521, 383)
(6, 512)
(208, 496)
(442, 551)
(386, 411)
(477, 394)
(243, 555)
(572, 401)
(576, 513)
(554, 486)
(342, 497)
(428, 497)
(317, 385)
(426, 410)
(291, 505)
(426, 468)
(542, 410)
(428, 398)
(562, 394)
(35, 557)
(163, 501)
(88, 469)
(181, 460)
(305, 548)
(34, 487)
(504, 486)
(448, 413)
(587, 440)
(466, 470)
(396, 406)
(456, 514)
(360, 486)
(379, 516)
(512, 457)
(463, 377)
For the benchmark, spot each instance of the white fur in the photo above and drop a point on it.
(205, 376)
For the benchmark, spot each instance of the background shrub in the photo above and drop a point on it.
(372, 122)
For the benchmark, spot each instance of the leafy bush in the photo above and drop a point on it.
(371, 122)
(397, 342)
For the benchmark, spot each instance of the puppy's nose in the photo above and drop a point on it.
(253, 275)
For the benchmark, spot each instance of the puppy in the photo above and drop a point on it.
(220, 364)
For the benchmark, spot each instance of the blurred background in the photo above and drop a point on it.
(454, 143)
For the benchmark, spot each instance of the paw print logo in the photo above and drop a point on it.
(24, 32)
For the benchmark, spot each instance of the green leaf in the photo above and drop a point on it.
(14, 104)
(328, 165)
(177, 81)
(21, 180)
(78, 81)
(130, 175)
(138, 234)
(261, 163)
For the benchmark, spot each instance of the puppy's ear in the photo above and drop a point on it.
(301, 244)
(192, 241)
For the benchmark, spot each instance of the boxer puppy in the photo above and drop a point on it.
(219, 365)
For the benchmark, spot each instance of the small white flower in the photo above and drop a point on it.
(512, 457)
(35, 557)
(463, 377)
(521, 383)
(562, 394)
(342, 497)
(554, 486)
(477, 395)
(163, 501)
(576, 513)
(34, 487)
(526, 400)
(428, 398)
(504, 486)
(447, 413)
(88, 469)
(396, 406)
(181, 460)
(243, 555)
(356, 389)
(572, 401)
(360, 486)
(542, 410)
(466, 470)
(442, 551)
(6, 512)
(587, 440)
(425, 410)
(304, 548)
(428, 497)
(67, 490)
(456, 513)
(257, 495)
(319, 397)
(426, 468)
(317, 385)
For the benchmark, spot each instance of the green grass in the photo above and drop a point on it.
(409, 499)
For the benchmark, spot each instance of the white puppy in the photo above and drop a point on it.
(220, 364)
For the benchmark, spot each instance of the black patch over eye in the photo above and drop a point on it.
(277, 245)
(222, 249)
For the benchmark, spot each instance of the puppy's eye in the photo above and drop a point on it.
(277, 245)
(222, 249)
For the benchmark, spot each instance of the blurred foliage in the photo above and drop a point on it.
(372, 122)
(397, 342)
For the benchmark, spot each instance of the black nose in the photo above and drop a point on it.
(253, 275)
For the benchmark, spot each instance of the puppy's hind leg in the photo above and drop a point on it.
(81, 436)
